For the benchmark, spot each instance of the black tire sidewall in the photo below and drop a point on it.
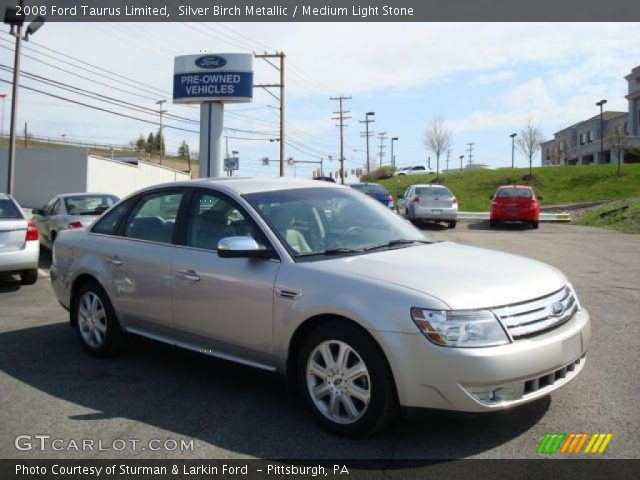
(113, 337)
(383, 405)
(29, 277)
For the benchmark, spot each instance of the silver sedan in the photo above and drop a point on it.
(69, 211)
(328, 286)
(19, 246)
(434, 203)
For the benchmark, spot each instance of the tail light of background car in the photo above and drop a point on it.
(73, 225)
(416, 200)
(454, 201)
(32, 232)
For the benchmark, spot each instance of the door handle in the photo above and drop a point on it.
(113, 260)
(188, 275)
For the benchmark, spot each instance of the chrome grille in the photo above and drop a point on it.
(537, 316)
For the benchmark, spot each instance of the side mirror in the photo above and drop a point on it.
(241, 247)
(37, 211)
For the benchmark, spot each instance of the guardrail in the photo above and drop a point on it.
(544, 217)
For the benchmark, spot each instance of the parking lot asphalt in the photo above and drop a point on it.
(48, 385)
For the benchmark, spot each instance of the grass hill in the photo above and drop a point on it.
(621, 215)
(557, 185)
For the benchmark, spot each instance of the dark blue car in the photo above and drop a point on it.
(376, 191)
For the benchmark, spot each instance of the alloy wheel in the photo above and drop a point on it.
(338, 381)
(92, 319)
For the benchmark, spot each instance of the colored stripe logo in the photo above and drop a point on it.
(574, 443)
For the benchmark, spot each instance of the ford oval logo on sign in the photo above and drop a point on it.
(211, 61)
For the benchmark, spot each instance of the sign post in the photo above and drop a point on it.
(211, 81)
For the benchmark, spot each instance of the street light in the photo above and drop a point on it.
(461, 157)
(601, 104)
(513, 149)
(16, 21)
(393, 158)
(367, 122)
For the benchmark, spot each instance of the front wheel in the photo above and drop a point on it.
(534, 224)
(345, 380)
(95, 321)
(452, 224)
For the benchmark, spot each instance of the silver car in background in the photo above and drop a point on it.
(19, 245)
(434, 203)
(69, 211)
(328, 286)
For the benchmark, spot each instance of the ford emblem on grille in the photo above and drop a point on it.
(557, 309)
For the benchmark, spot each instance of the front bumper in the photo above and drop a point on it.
(24, 259)
(430, 376)
(429, 213)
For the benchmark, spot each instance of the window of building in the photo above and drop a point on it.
(626, 128)
(589, 136)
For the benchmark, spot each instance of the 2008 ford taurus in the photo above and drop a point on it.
(322, 283)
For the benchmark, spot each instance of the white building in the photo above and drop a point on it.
(580, 144)
(42, 173)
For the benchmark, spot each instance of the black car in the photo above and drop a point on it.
(376, 191)
(326, 179)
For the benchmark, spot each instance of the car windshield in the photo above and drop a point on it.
(89, 204)
(370, 188)
(317, 222)
(433, 192)
(514, 192)
(8, 209)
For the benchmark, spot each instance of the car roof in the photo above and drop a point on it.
(526, 187)
(67, 195)
(245, 185)
(429, 185)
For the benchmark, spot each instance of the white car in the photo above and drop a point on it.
(19, 244)
(433, 203)
(413, 170)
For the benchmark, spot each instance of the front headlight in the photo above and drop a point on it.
(465, 328)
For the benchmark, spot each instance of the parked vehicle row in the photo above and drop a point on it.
(316, 281)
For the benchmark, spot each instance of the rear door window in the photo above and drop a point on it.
(154, 217)
(108, 224)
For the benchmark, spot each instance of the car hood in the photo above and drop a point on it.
(461, 276)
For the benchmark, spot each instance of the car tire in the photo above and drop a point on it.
(351, 407)
(452, 223)
(493, 223)
(534, 224)
(95, 321)
(29, 277)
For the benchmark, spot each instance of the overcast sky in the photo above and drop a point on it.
(486, 80)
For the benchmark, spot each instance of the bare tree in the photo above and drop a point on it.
(529, 141)
(437, 138)
(621, 144)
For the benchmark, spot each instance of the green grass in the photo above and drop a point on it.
(557, 185)
(622, 215)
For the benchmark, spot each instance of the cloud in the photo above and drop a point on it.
(493, 77)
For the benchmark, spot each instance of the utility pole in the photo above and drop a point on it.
(448, 155)
(366, 134)
(266, 86)
(188, 159)
(470, 150)
(160, 138)
(382, 136)
(341, 118)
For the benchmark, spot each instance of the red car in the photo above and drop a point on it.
(515, 203)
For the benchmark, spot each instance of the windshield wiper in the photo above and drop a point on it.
(331, 251)
(399, 241)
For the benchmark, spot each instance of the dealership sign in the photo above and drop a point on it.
(213, 78)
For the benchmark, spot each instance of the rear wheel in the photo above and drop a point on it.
(493, 223)
(452, 223)
(345, 380)
(95, 321)
(534, 224)
(29, 277)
